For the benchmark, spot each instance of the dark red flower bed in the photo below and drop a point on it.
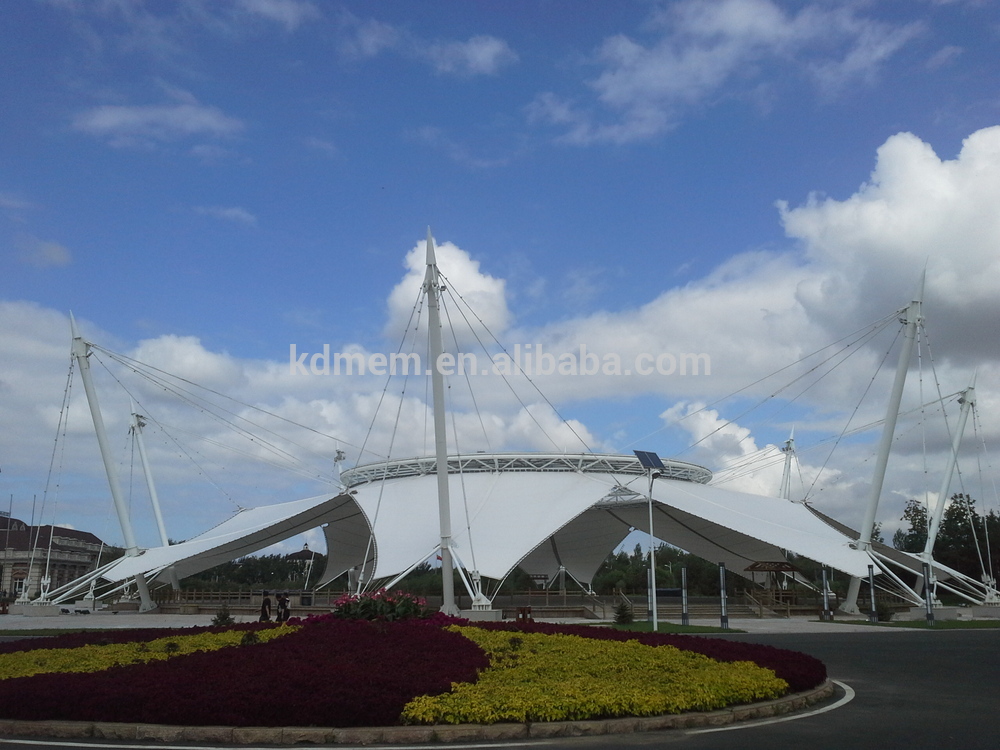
(800, 671)
(338, 673)
(333, 672)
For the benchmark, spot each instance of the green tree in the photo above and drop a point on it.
(959, 538)
(256, 571)
(962, 537)
(991, 522)
(914, 538)
(629, 572)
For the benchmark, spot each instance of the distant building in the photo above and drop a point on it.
(27, 553)
(303, 561)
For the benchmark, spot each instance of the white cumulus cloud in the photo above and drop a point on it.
(483, 293)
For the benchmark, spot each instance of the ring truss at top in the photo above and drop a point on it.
(478, 463)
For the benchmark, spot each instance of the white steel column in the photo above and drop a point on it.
(432, 286)
(785, 491)
(968, 400)
(912, 320)
(137, 425)
(81, 350)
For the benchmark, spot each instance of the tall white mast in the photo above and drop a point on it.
(912, 319)
(137, 424)
(432, 286)
(968, 400)
(785, 491)
(81, 350)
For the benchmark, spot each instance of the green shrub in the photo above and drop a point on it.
(883, 611)
(223, 618)
(624, 614)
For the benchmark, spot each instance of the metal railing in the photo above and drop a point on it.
(243, 598)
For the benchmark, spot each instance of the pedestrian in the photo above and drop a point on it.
(283, 607)
(265, 608)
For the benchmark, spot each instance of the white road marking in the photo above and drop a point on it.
(848, 697)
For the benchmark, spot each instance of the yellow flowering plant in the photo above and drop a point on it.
(96, 658)
(539, 677)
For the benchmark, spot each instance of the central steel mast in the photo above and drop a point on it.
(432, 286)
(912, 320)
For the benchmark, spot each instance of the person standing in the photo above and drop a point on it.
(283, 607)
(265, 608)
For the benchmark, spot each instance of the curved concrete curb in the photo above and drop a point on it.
(409, 735)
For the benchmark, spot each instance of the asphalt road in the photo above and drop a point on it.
(913, 690)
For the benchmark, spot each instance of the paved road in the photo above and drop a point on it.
(914, 689)
(919, 690)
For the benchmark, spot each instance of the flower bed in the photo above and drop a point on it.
(329, 673)
(99, 657)
(339, 672)
(104, 637)
(800, 671)
(555, 677)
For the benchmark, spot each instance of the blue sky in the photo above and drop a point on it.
(209, 182)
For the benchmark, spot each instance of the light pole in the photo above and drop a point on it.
(653, 466)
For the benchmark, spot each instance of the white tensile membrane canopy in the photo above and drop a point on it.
(248, 531)
(544, 512)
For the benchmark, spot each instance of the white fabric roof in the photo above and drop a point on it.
(743, 523)
(242, 534)
(508, 515)
(536, 510)
(541, 519)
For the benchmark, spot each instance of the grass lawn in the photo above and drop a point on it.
(669, 627)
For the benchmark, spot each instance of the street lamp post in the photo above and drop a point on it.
(653, 466)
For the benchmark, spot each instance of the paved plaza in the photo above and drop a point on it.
(154, 620)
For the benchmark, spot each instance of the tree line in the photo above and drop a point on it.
(273, 572)
(966, 541)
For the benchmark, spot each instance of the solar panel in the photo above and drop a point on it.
(649, 460)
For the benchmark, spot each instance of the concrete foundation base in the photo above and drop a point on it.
(483, 615)
(36, 610)
(952, 613)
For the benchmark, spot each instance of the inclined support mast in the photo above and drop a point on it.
(968, 401)
(137, 424)
(912, 320)
(81, 351)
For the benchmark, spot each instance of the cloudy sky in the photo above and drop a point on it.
(208, 183)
